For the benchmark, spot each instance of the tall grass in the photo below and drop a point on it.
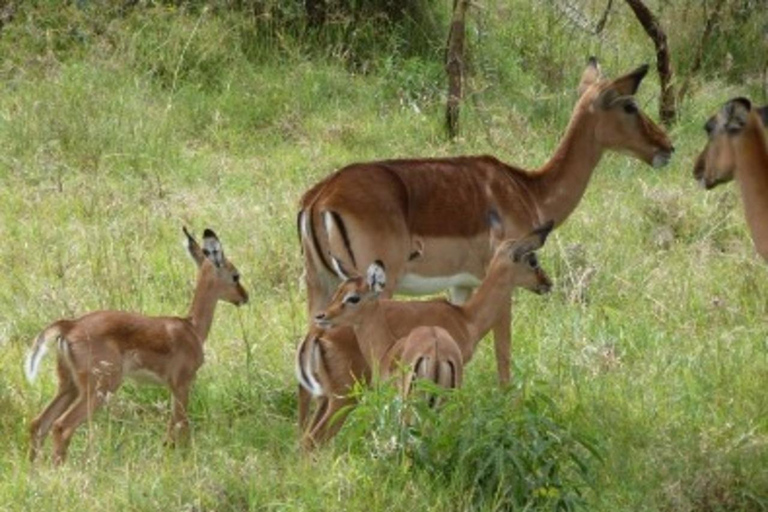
(639, 382)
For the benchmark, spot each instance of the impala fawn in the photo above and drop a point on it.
(96, 351)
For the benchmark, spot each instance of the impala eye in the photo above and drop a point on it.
(630, 107)
(352, 299)
(236, 278)
(533, 261)
(710, 126)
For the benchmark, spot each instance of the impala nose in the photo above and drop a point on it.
(321, 321)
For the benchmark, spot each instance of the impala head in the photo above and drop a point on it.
(716, 163)
(210, 259)
(352, 296)
(620, 124)
(520, 257)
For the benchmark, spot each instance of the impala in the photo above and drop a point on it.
(738, 148)
(379, 324)
(711, 176)
(425, 219)
(96, 351)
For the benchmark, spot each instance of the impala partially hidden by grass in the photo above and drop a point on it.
(382, 326)
(96, 351)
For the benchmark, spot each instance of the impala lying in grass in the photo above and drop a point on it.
(425, 219)
(380, 324)
(96, 351)
(737, 147)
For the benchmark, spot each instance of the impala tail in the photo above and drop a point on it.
(40, 348)
(440, 363)
(442, 372)
(309, 358)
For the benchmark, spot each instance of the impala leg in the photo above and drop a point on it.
(328, 425)
(89, 399)
(41, 425)
(502, 342)
(304, 399)
(178, 428)
(307, 440)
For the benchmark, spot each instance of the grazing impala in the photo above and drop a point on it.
(738, 148)
(380, 324)
(97, 350)
(425, 219)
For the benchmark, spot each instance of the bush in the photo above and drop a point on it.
(505, 450)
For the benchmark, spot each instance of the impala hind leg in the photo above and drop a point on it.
(91, 396)
(304, 401)
(502, 342)
(42, 424)
(329, 422)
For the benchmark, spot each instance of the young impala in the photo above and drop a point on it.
(379, 324)
(425, 219)
(738, 148)
(96, 351)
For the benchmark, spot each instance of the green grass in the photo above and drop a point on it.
(649, 361)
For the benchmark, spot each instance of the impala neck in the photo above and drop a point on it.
(564, 178)
(204, 302)
(373, 334)
(489, 300)
(752, 175)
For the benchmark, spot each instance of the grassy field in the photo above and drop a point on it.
(640, 382)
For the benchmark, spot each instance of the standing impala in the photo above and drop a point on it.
(738, 147)
(425, 219)
(97, 350)
(379, 325)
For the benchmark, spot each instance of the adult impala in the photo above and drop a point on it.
(437, 208)
(737, 147)
(380, 325)
(96, 351)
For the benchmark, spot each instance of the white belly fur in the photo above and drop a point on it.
(414, 284)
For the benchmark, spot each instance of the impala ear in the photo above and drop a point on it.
(591, 75)
(763, 113)
(376, 277)
(212, 248)
(497, 227)
(628, 84)
(193, 247)
(532, 242)
(736, 113)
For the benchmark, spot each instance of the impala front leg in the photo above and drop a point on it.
(178, 428)
(502, 341)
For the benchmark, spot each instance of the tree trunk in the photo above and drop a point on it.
(454, 65)
(708, 29)
(316, 12)
(650, 23)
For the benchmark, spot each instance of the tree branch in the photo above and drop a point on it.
(652, 27)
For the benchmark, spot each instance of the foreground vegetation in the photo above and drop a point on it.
(639, 383)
